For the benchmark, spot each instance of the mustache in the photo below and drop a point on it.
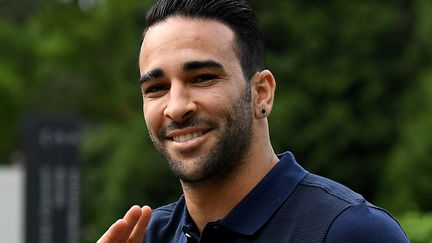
(190, 122)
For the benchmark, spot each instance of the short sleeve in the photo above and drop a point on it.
(363, 223)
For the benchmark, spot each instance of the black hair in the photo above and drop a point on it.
(236, 14)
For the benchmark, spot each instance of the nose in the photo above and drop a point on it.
(180, 104)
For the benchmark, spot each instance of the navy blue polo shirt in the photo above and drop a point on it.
(288, 205)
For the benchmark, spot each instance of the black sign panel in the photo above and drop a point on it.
(52, 179)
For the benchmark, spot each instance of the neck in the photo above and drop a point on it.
(212, 201)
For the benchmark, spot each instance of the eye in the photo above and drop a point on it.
(204, 77)
(154, 89)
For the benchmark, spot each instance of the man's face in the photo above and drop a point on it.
(196, 103)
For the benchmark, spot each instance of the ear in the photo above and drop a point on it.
(263, 88)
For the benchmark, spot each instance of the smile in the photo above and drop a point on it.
(187, 137)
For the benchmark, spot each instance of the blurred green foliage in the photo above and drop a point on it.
(418, 226)
(354, 96)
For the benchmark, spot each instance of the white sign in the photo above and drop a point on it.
(11, 204)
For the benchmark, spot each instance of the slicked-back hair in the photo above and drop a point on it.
(236, 14)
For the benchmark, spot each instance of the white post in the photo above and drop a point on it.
(11, 204)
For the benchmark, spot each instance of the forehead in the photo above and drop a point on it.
(181, 37)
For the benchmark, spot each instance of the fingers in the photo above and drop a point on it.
(137, 234)
(120, 231)
(131, 218)
(113, 232)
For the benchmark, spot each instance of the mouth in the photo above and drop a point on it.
(187, 137)
(188, 141)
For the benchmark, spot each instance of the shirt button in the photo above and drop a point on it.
(216, 227)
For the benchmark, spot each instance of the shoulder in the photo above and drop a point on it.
(357, 220)
(165, 222)
(163, 214)
(334, 190)
(365, 222)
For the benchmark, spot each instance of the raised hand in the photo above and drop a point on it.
(129, 229)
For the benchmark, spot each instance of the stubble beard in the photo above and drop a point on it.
(226, 155)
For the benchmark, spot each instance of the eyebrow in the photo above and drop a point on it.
(187, 67)
(153, 74)
(195, 65)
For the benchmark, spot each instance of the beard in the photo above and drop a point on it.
(226, 155)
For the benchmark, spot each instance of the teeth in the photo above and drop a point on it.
(187, 137)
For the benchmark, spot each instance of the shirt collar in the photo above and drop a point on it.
(263, 201)
(189, 228)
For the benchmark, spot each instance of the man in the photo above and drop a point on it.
(206, 97)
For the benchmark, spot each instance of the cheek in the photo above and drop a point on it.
(221, 100)
(211, 102)
(153, 116)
